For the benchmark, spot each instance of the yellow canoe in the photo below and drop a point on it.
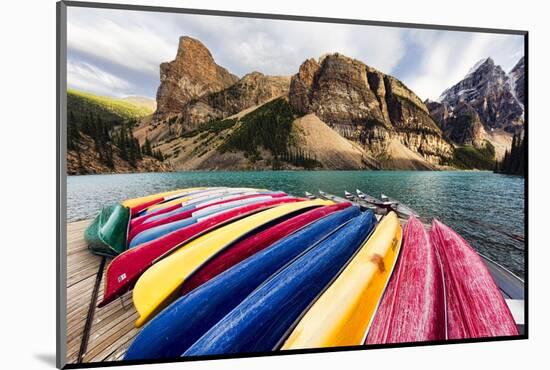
(160, 283)
(343, 313)
(130, 203)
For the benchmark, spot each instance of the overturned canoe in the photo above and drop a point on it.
(184, 209)
(475, 306)
(196, 216)
(138, 219)
(249, 246)
(107, 234)
(262, 319)
(181, 324)
(413, 306)
(178, 199)
(156, 287)
(136, 205)
(218, 275)
(126, 268)
(342, 314)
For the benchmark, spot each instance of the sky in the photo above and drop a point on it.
(118, 52)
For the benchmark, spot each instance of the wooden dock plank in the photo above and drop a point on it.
(112, 328)
(79, 286)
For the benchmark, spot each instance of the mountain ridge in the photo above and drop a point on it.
(489, 90)
(367, 106)
(486, 105)
(335, 112)
(99, 138)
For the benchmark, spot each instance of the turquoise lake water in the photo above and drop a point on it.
(485, 208)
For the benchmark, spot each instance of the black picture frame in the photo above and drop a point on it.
(61, 175)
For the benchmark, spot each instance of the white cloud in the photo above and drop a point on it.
(279, 47)
(120, 40)
(141, 41)
(133, 44)
(83, 76)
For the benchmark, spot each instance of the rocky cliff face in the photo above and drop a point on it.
(253, 89)
(191, 74)
(517, 79)
(194, 89)
(461, 125)
(367, 106)
(491, 93)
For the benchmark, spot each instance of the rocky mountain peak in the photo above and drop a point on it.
(192, 49)
(191, 74)
(489, 90)
(367, 106)
(481, 64)
(517, 80)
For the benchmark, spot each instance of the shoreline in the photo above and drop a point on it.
(290, 170)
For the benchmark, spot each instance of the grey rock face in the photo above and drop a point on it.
(492, 93)
(517, 77)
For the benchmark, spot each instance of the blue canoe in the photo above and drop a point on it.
(181, 324)
(158, 231)
(263, 319)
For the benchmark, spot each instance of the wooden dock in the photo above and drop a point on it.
(93, 334)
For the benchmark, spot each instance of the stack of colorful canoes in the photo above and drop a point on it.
(239, 270)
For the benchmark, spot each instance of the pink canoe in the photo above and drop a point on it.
(475, 306)
(126, 268)
(413, 306)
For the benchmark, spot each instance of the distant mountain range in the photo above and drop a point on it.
(334, 113)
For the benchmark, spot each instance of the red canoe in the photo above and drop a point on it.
(137, 209)
(126, 268)
(186, 214)
(475, 306)
(413, 306)
(255, 243)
